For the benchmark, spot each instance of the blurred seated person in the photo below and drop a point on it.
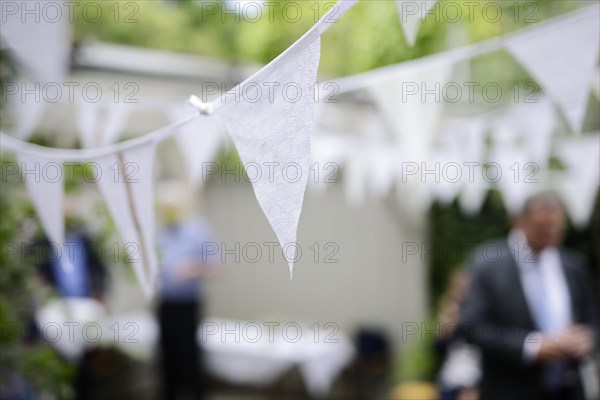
(184, 264)
(531, 309)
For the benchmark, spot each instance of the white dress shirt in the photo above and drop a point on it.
(554, 284)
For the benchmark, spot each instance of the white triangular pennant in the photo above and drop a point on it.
(116, 197)
(510, 170)
(25, 26)
(578, 197)
(44, 180)
(142, 197)
(116, 117)
(596, 83)
(448, 174)
(88, 121)
(470, 137)
(328, 154)
(563, 62)
(199, 142)
(128, 193)
(414, 196)
(472, 197)
(412, 104)
(535, 122)
(271, 131)
(578, 185)
(355, 177)
(26, 110)
(412, 14)
(382, 169)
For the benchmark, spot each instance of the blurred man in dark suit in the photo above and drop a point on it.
(531, 309)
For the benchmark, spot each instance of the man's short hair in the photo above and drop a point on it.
(546, 199)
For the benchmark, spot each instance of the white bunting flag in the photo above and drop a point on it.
(578, 185)
(91, 133)
(596, 83)
(383, 168)
(511, 171)
(412, 14)
(44, 179)
(270, 117)
(414, 196)
(271, 122)
(24, 26)
(38, 34)
(563, 61)
(87, 121)
(328, 154)
(535, 122)
(355, 176)
(472, 197)
(447, 174)
(142, 199)
(116, 117)
(199, 143)
(470, 135)
(412, 104)
(127, 188)
(26, 105)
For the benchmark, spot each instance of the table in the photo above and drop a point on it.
(237, 351)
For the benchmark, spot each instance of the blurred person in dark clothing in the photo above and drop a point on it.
(531, 309)
(184, 264)
(74, 270)
(460, 370)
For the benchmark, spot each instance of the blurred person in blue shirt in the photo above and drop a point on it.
(75, 268)
(184, 264)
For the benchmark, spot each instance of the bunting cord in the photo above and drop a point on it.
(10, 143)
(365, 79)
(344, 85)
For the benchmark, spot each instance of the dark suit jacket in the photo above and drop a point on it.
(495, 316)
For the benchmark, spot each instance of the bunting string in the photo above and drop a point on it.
(277, 132)
(366, 79)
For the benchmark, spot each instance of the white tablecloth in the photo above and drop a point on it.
(263, 351)
(241, 352)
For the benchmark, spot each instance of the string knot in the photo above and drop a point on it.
(202, 107)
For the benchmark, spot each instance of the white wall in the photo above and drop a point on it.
(370, 285)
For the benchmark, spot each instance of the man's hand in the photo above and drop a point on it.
(192, 269)
(550, 350)
(577, 341)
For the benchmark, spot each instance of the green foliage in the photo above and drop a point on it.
(368, 36)
(418, 361)
(454, 235)
(23, 351)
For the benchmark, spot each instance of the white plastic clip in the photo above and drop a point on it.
(202, 107)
